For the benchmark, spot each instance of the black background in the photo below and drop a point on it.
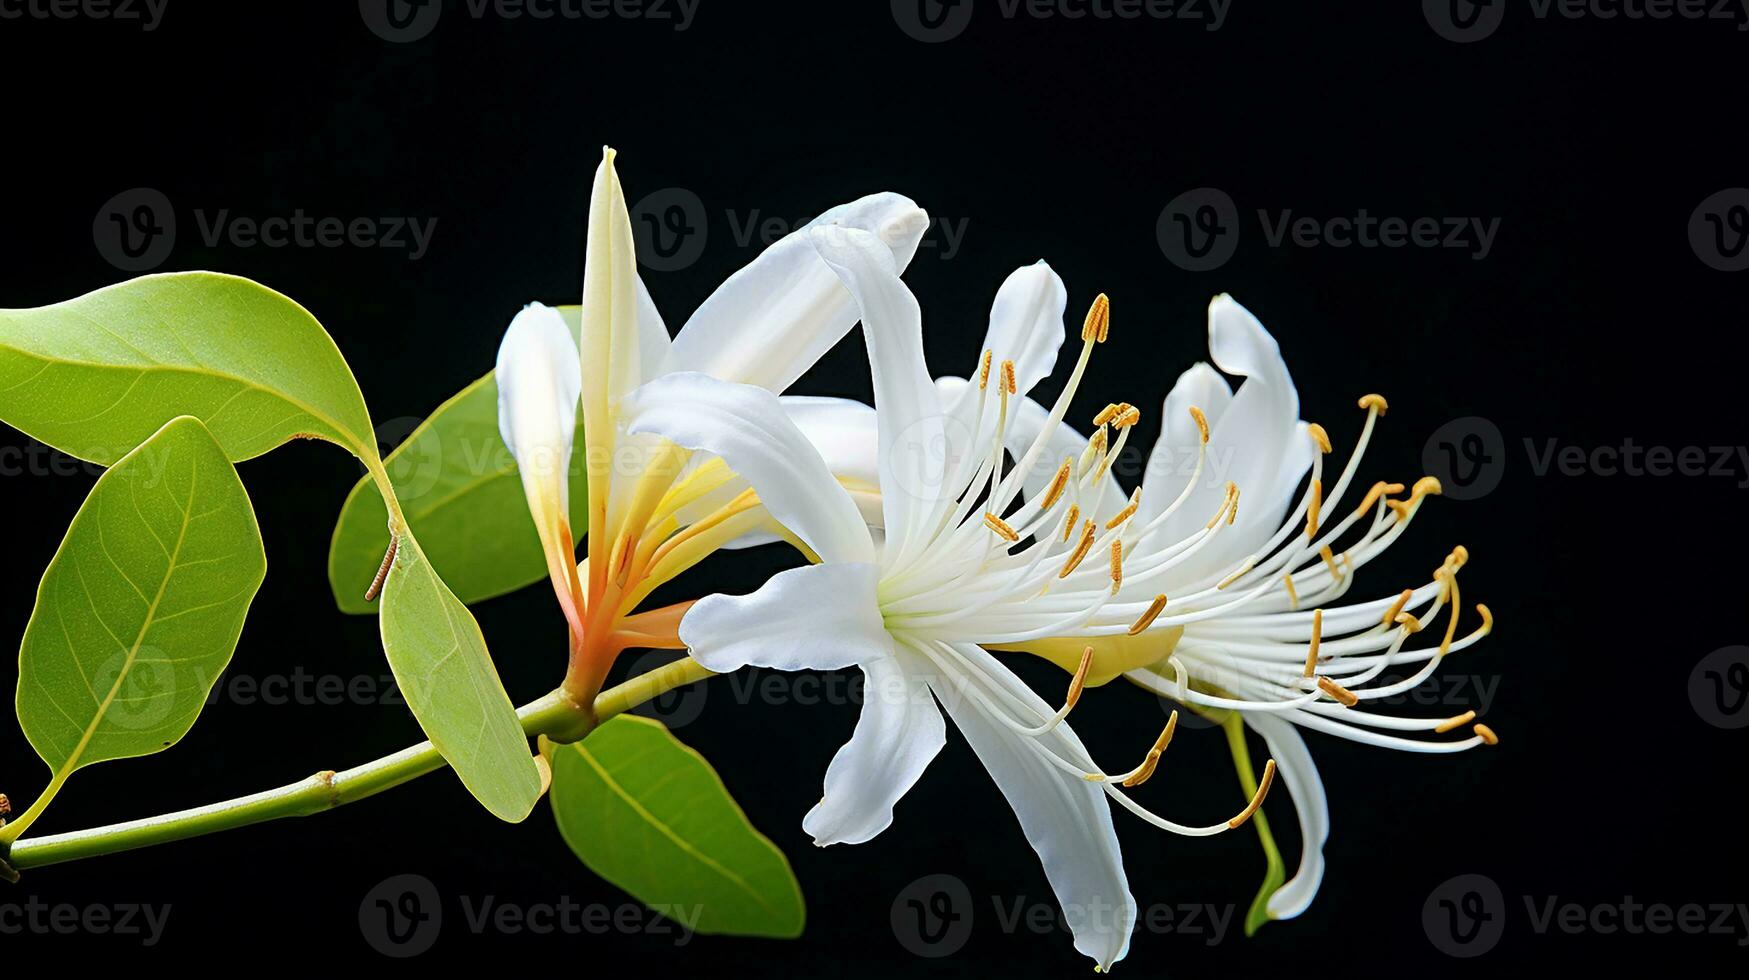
(1592, 321)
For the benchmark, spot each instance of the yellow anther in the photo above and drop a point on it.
(1317, 636)
(1106, 414)
(1397, 607)
(984, 371)
(1116, 565)
(1153, 612)
(1126, 418)
(1257, 800)
(1058, 484)
(1408, 622)
(1128, 511)
(1451, 724)
(1238, 573)
(1079, 681)
(1001, 527)
(1319, 436)
(1098, 323)
(1009, 385)
(1487, 735)
(1233, 512)
(1202, 422)
(1097, 444)
(1427, 486)
(1069, 522)
(1081, 548)
(1378, 402)
(1330, 560)
(1460, 556)
(1338, 692)
(1378, 490)
(1293, 594)
(1146, 769)
(1314, 508)
(1487, 619)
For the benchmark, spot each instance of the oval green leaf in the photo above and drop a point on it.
(94, 376)
(442, 667)
(650, 815)
(141, 608)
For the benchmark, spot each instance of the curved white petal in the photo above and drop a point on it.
(1257, 441)
(1294, 765)
(769, 322)
(539, 382)
(1026, 323)
(747, 427)
(1174, 456)
(908, 413)
(653, 340)
(898, 734)
(818, 617)
(1066, 819)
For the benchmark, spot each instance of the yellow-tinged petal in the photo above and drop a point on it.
(1112, 655)
(610, 347)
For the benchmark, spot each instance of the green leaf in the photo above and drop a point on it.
(460, 491)
(140, 610)
(94, 376)
(442, 667)
(650, 815)
(1275, 872)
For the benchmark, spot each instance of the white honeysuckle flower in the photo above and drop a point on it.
(914, 611)
(654, 512)
(1236, 612)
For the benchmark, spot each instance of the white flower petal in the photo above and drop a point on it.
(1294, 765)
(818, 617)
(898, 734)
(747, 427)
(539, 381)
(653, 340)
(769, 322)
(1066, 819)
(1174, 456)
(909, 416)
(1026, 323)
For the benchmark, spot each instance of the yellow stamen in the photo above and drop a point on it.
(1128, 511)
(1126, 418)
(1081, 548)
(1378, 490)
(1408, 622)
(1079, 681)
(1338, 692)
(1427, 486)
(1097, 444)
(1330, 559)
(1378, 402)
(1106, 414)
(1226, 502)
(1058, 484)
(1319, 436)
(1146, 769)
(984, 371)
(1314, 508)
(1098, 323)
(1153, 612)
(1238, 573)
(1001, 527)
(1317, 636)
(1454, 723)
(1487, 619)
(1460, 556)
(1202, 422)
(1397, 607)
(1233, 513)
(1487, 735)
(1116, 566)
(1008, 383)
(1069, 523)
(1293, 594)
(1257, 800)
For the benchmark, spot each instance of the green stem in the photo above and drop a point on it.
(555, 715)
